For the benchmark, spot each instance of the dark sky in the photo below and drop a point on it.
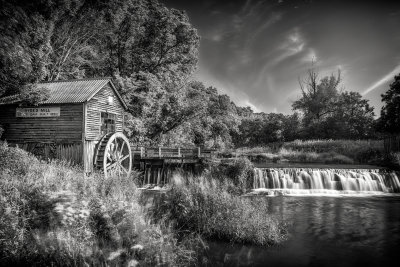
(254, 51)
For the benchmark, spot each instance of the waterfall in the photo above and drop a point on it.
(306, 180)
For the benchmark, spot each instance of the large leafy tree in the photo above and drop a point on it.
(390, 114)
(329, 112)
(263, 128)
(318, 96)
(149, 49)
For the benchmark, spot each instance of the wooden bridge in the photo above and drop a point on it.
(158, 163)
(150, 153)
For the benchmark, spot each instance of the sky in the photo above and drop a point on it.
(256, 51)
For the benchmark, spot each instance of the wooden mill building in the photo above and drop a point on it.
(70, 124)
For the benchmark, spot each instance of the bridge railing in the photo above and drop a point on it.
(168, 152)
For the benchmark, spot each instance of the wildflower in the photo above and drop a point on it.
(133, 263)
(70, 210)
(115, 254)
(137, 247)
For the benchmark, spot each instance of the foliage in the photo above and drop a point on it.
(318, 96)
(390, 114)
(16, 161)
(53, 215)
(262, 129)
(353, 118)
(393, 160)
(329, 113)
(313, 157)
(151, 50)
(213, 121)
(317, 151)
(358, 151)
(204, 206)
(239, 172)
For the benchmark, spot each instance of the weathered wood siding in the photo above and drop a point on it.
(88, 155)
(67, 128)
(98, 104)
(71, 152)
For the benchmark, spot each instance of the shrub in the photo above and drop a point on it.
(15, 161)
(239, 171)
(393, 160)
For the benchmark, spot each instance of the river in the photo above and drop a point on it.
(341, 229)
(324, 231)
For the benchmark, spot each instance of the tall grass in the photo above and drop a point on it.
(360, 151)
(319, 151)
(204, 206)
(53, 215)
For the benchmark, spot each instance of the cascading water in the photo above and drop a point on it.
(325, 181)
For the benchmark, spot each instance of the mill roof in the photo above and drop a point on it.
(76, 91)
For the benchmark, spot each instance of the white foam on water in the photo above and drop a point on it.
(316, 192)
(331, 182)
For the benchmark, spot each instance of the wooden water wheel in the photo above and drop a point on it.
(114, 155)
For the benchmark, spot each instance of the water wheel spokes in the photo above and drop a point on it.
(117, 157)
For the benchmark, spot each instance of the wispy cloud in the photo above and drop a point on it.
(226, 87)
(382, 80)
(247, 103)
(293, 45)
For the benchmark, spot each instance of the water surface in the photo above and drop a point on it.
(325, 231)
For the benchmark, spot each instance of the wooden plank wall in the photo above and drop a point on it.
(98, 104)
(71, 152)
(67, 128)
(88, 155)
(392, 144)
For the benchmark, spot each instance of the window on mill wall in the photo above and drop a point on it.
(107, 123)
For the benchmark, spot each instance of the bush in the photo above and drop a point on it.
(393, 160)
(204, 206)
(239, 171)
(15, 161)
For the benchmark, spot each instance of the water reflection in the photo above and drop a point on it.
(325, 231)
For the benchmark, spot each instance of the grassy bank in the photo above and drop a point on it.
(316, 151)
(51, 215)
(206, 206)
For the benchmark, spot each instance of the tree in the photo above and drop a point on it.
(330, 113)
(354, 116)
(291, 127)
(318, 96)
(149, 49)
(389, 121)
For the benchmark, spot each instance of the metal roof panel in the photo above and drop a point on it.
(73, 91)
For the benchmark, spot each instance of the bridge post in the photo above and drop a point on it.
(159, 152)
(179, 151)
(142, 152)
(198, 152)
